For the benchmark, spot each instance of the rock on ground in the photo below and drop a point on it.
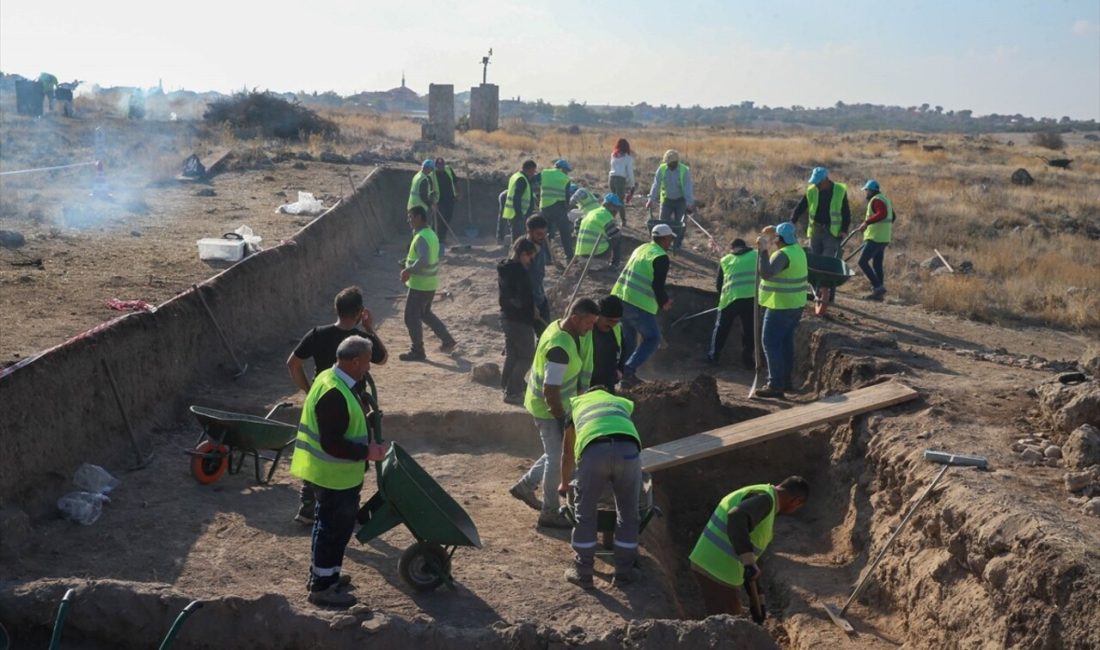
(486, 374)
(1082, 448)
(1069, 406)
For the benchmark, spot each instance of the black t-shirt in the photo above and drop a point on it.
(320, 344)
(605, 358)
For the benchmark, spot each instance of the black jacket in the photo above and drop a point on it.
(517, 302)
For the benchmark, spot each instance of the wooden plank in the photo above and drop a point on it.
(773, 425)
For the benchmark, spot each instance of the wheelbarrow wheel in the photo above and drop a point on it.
(424, 566)
(209, 462)
(822, 302)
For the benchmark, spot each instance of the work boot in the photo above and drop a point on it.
(623, 578)
(768, 391)
(554, 520)
(515, 399)
(448, 347)
(305, 514)
(413, 355)
(874, 296)
(332, 597)
(574, 577)
(630, 380)
(526, 495)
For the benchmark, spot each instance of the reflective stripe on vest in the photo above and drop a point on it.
(662, 171)
(579, 358)
(426, 276)
(738, 277)
(510, 198)
(593, 225)
(714, 553)
(414, 192)
(787, 290)
(635, 283)
(598, 414)
(880, 231)
(554, 185)
(310, 461)
(836, 208)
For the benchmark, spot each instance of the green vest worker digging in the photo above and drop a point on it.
(603, 443)
(735, 536)
(421, 276)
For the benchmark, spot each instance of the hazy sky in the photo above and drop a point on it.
(1039, 58)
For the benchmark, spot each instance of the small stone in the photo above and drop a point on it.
(206, 191)
(360, 609)
(135, 233)
(342, 621)
(374, 624)
(1053, 462)
(1077, 481)
(1092, 507)
(1031, 455)
(1053, 451)
(1082, 448)
(486, 374)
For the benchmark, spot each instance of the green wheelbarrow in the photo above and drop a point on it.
(227, 438)
(825, 274)
(408, 495)
(607, 517)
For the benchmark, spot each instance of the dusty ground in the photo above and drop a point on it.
(236, 538)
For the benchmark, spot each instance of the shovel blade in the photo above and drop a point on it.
(840, 621)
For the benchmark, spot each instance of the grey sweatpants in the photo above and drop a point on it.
(823, 242)
(418, 309)
(547, 469)
(604, 462)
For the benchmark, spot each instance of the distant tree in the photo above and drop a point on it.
(939, 110)
(965, 113)
(748, 104)
(1049, 140)
(924, 108)
(1065, 119)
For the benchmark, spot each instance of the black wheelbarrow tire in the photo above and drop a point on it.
(209, 462)
(424, 566)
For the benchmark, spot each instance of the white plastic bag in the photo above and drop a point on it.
(305, 204)
(93, 478)
(82, 507)
(250, 239)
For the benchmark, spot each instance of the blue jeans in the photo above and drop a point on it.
(635, 322)
(870, 260)
(333, 523)
(778, 340)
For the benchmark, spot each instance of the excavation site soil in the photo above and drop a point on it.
(999, 558)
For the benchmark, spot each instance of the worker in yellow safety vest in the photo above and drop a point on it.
(561, 369)
(826, 204)
(736, 289)
(782, 293)
(554, 193)
(641, 287)
(332, 444)
(603, 444)
(421, 276)
(673, 189)
(878, 229)
(735, 536)
(423, 191)
(599, 233)
(517, 203)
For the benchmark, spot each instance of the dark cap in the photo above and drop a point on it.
(739, 246)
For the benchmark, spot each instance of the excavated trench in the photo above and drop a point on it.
(960, 576)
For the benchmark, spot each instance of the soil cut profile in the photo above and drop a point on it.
(962, 574)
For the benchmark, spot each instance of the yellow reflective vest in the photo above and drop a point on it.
(714, 553)
(425, 277)
(787, 290)
(310, 461)
(599, 413)
(836, 208)
(635, 283)
(510, 198)
(880, 231)
(738, 277)
(579, 366)
(593, 229)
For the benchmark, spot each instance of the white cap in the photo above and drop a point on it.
(662, 230)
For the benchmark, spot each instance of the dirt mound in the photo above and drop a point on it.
(257, 114)
(101, 609)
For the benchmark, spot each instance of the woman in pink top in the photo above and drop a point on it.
(622, 175)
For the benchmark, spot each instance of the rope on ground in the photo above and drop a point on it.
(46, 169)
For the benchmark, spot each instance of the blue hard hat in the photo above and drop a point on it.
(818, 174)
(428, 164)
(612, 198)
(563, 165)
(872, 185)
(787, 232)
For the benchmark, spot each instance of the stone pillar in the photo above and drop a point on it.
(485, 107)
(441, 113)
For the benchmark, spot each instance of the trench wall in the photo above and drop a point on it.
(58, 411)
